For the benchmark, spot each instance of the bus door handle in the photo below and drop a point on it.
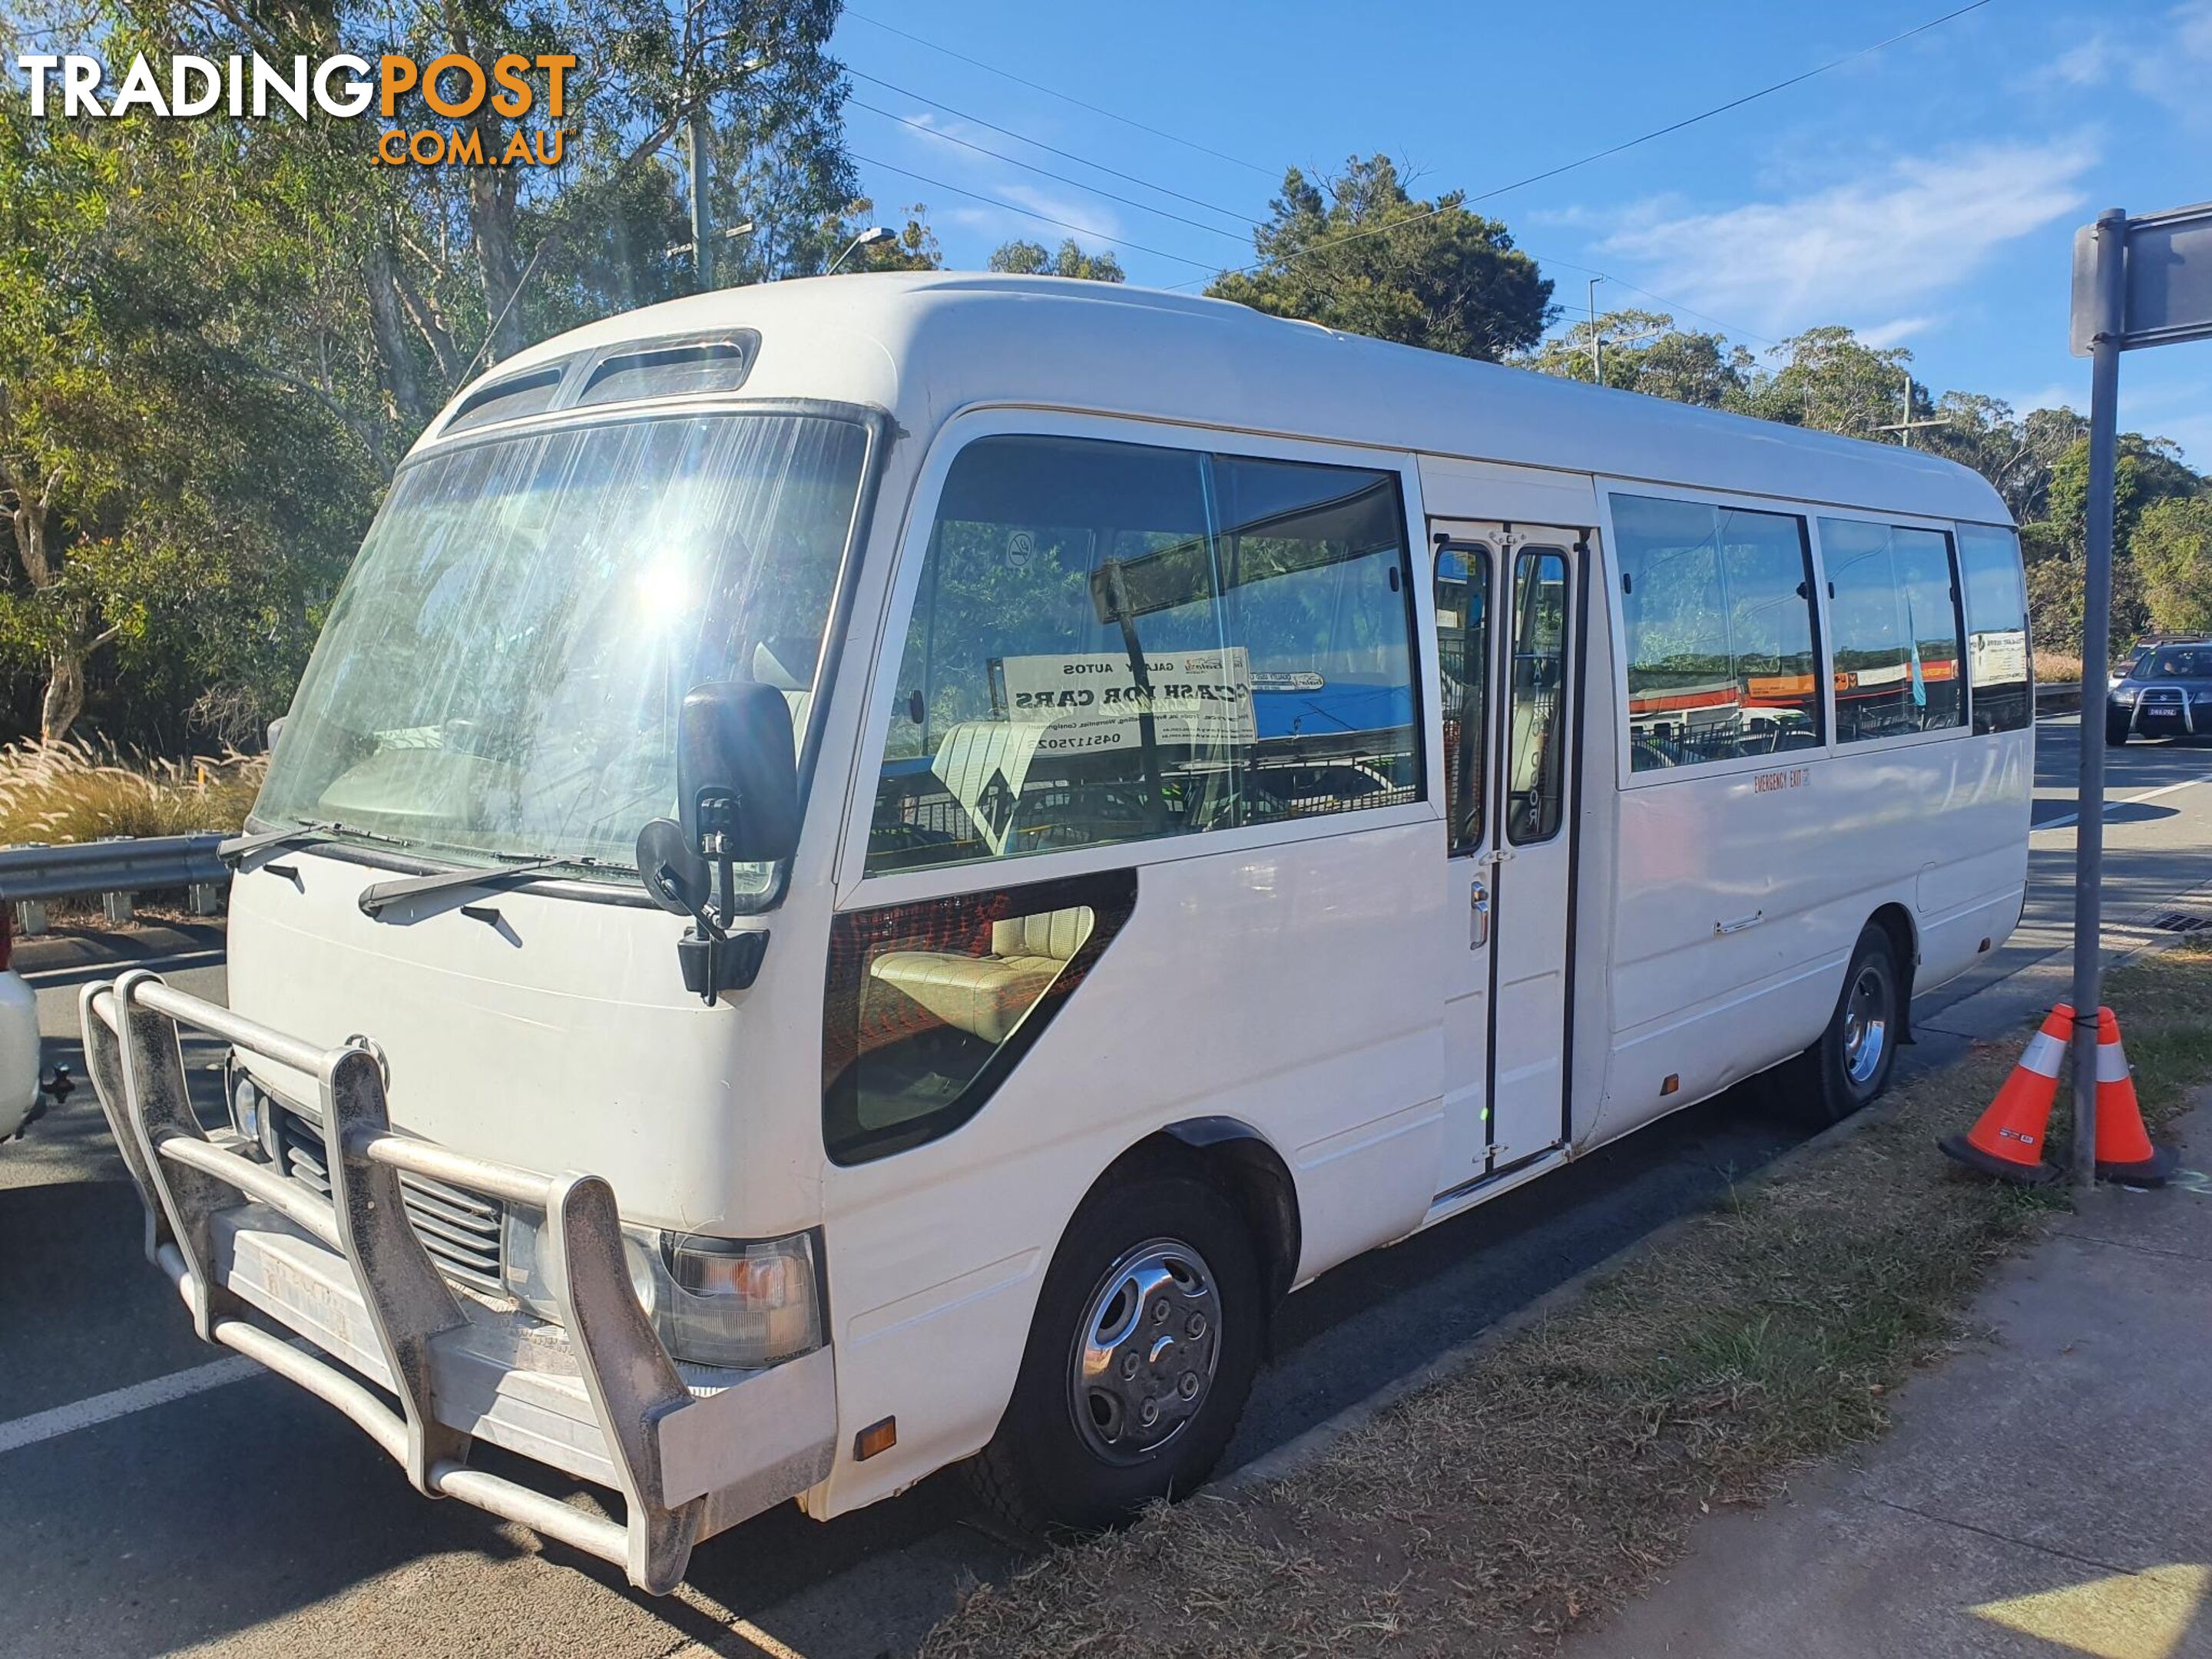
(1477, 915)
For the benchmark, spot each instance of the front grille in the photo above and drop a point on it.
(460, 1230)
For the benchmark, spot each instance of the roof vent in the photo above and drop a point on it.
(507, 400)
(675, 370)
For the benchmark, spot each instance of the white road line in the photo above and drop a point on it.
(122, 1402)
(2148, 794)
(213, 954)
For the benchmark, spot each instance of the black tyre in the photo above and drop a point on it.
(2116, 729)
(1850, 1066)
(1146, 1337)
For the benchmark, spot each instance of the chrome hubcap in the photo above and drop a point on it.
(1866, 1025)
(1146, 1351)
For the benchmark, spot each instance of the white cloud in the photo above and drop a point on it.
(2172, 68)
(1896, 330)
(948, 153)
(2175, 72)
(1097, 219)
(1863, 251)
(2056, 395)
(2089, 62)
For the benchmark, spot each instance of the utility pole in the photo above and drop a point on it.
(702, 251)
(1905, 427)
(1597, 346)
(696, 134)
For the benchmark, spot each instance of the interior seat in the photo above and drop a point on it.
(986, 995)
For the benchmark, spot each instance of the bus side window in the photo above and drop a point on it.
(1463, 662)
(1717, 604)
(1116, 642)
(1898, 650)
(1535, 758)
(1997, 629)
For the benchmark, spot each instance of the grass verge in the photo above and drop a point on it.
(1497, 1509)
(74, 792)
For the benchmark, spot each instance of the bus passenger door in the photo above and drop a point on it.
(1504, 602)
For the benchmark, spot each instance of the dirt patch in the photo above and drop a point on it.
(1495, 1510)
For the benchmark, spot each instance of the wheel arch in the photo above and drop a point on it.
(1243, 1163)
(1894, 920)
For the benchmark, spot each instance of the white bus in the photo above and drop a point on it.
(1157, 800)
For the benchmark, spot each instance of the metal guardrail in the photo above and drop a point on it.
(112, 872)
(2060, 699)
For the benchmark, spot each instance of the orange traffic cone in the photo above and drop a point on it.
(2123, 1148)
(2008, 1141)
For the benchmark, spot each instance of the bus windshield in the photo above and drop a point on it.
(501, 672)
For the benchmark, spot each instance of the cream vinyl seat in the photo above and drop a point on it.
(986, 996)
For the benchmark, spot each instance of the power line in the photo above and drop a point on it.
(1065, 97)
(1642, 138)
(1031, 213)
(1046, 172)
(1054, 149)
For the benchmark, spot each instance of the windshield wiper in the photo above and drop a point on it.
(379, 897)
(239, 848)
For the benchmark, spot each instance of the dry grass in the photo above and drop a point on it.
(1497, 1509)
(73, 792)
(2057, 668)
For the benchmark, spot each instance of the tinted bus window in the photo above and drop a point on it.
(1997, 629)
(1114, 642)
(1536, 764)
(1893, 609)
(1717, 602)
(1463, 665)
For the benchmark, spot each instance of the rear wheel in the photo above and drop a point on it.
(1850, 1064)
(1138, 1363)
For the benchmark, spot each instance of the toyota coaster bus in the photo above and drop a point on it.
(869, 872)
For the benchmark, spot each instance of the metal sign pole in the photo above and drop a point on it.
(2111, 298)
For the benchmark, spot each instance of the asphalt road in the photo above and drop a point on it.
(158, 1495)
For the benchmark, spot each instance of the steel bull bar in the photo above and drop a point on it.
(422, 1368)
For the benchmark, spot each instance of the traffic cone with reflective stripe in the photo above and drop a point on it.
(2008, 1141)
(2123, 1148)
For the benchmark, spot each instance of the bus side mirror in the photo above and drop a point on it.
(736, 773)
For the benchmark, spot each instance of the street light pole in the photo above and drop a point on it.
(873, 236)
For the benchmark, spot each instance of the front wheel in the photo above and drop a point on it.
(1141, 1355)
(1850, 1064)
(2116, 729)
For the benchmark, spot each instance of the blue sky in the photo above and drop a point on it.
(1925, 195)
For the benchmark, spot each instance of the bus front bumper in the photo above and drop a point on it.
(426, 1367)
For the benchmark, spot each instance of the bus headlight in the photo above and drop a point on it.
(740, 1302)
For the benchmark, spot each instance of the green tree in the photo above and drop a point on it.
(2171, 550)
(1357, 253)
(2145, 471)
(1021, 258)
(177, 499)
(1643, 351)
(1831, 380)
